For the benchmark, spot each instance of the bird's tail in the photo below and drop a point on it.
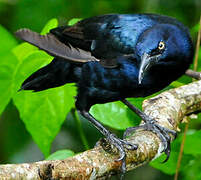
(57, 73)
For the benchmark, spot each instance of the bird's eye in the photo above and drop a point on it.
(161, 45)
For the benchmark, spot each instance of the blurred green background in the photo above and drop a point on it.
(16, 144)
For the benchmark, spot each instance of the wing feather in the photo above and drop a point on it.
(54, 47)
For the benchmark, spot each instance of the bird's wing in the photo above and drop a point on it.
(86, 35)
(101, 38)
(73, 35)
(54, 47)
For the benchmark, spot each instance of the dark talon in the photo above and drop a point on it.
(166, 144)
(175, 136)
(162, 132)
(163, 129)
(131, 130)
(132, 147)
(167, 152)
(128, 145)
(162, 137)
(113, 140)
(123, 169)
(151, 125)
(120, 145)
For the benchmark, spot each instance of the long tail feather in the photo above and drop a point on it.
(57, 73)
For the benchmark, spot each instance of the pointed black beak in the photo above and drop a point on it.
(147, 61)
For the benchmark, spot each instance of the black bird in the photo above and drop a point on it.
(113, 57)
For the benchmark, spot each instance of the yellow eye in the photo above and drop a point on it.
(161, 45)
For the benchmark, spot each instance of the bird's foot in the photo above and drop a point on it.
(121, 145)
(162, 132)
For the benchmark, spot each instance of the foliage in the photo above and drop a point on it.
(60, 155)
(43, 113)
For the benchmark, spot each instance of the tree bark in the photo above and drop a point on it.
(168, 109)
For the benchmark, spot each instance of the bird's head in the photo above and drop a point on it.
(163, 44)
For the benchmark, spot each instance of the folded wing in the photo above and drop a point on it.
(54, 47)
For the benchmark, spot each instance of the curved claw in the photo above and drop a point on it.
(123, 167)
(166, 139)
(119, 144)
(132, 147)
(163, 129)
(122, 156)
(167, 146)
(162, 132)
(167, 152)
(128, 131)
(129, 145)
(162, 137)
(131, 130)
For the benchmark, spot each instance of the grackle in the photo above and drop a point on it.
(113, 57)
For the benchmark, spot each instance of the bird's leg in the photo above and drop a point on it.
(151, 125)
(193, 74)
(113, 139)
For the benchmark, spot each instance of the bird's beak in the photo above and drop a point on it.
(146, 62)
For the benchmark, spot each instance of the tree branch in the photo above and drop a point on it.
(168, 109)
(193, 74)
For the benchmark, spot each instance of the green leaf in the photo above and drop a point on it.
(44, 112)
(23, 50)
(51, 24)
(170, 166)
(176, 84)
(195, 29)
(60, 155)
(73, 21)
(30, 64)
(192, 170)
(192, 143)
(7, 41)
(199, 60)
(8, 65)
(115, 115)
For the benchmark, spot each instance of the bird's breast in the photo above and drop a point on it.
(114, 79)
(114, 84)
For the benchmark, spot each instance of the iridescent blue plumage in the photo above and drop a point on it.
(112, 57)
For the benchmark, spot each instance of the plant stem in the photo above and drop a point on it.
(197, 48)
(80, 129)
(181, 152)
